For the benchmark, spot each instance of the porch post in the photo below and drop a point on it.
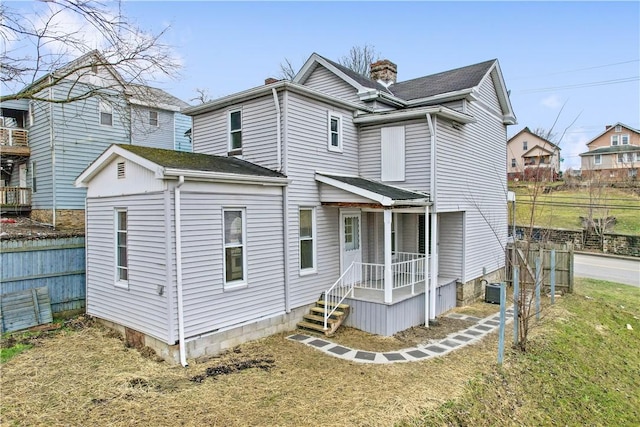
(434, 264)
(426, 267)
(388, 274)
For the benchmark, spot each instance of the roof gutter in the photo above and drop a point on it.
(373, 94)
(265, 91)
(444, 112)
(443, 97)
(222, 177)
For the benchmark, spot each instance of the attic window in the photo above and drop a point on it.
(618, 128)
(94, 68)
(120, 170)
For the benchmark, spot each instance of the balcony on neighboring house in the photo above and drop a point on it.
(14, 142)
(15, 200)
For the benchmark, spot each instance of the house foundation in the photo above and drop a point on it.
(473, 290)
(214, 343)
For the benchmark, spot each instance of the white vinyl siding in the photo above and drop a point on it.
(259, 132)
(325, 81)
(140, 307)
(392, 153)
(417, 154)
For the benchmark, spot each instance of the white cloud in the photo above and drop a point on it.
(574, 143)
(551, 101)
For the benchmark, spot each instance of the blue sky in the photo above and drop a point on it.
(584, 54)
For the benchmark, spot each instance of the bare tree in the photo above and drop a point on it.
(38, 48)
(202, 96)
(360, 59)
(287, 70)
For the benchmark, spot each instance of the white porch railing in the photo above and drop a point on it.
(408, 270)
(340, 290)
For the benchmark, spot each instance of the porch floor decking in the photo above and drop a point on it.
(398, 295)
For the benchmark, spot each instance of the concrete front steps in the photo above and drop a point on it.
(314, 321)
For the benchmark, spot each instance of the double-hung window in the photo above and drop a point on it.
(513, 163)
(106, 114)
(624, 139)
(597, 159)
(153, 118)
(307, 240)
(235, 247)
(524, 145)
(235, 131)
(615, 139)
(335, 132)
(122, 258)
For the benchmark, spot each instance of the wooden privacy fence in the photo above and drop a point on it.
(58, 264)
(526, 254)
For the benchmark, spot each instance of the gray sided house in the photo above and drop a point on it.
(46, 145)
(388, 196)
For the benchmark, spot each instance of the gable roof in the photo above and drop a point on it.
(384, 194)
(612, 128)
(527, 154)
(428, 90)
(526, 130)
(172, 164)
(612, 150)
(444, 82)
(153, 97)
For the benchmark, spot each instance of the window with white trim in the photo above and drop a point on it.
(525, 145)
(392, 143)
(618, 128)
(335, 132)
(122, 257)
(513, 163)
(351, 233)
(235, 131)
(615, 139)
(597, 159)
(153, 118)
(307, 232)
(106, 114)
(235, 253)
(624, 139)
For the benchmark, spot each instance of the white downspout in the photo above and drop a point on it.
(278, 136)
(427, 311)
(434, 220)
(183, 358)
(285, 201)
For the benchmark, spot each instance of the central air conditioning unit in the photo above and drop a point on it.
(492, 293)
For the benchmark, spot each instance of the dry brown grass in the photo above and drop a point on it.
(88, 377)
(480, 309)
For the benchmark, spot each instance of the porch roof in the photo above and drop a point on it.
(382, 194)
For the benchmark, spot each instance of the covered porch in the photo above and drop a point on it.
(384, 253)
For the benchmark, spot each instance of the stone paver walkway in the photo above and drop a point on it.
(441, 347)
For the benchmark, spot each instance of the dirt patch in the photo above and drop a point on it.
(264, 363)
(23, 228)
(411, 337)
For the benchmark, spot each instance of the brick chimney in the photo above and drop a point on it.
(270, 80)
(607, 127)
(384, 71)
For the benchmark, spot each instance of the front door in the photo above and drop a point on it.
(350, 241)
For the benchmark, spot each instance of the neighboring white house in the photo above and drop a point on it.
(331, 179)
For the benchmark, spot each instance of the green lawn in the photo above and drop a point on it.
(555, 210)
(581, 369)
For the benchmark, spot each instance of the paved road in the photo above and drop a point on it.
(607, 268)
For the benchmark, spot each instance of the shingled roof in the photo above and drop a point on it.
(445, 82)
(362, 80)
(612, 149)
(200, 162)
